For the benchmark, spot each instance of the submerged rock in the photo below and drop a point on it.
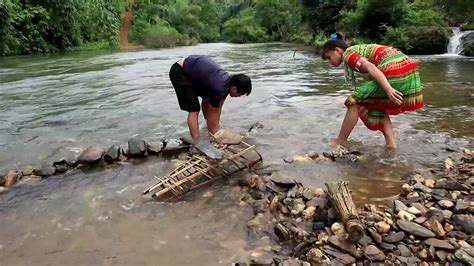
(91, 155)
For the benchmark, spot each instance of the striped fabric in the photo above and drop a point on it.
(401, 72)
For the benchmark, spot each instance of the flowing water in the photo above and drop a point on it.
(54, 106)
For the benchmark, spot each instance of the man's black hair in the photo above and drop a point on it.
(242, 83)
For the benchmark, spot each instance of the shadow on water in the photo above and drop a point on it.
(55, 106)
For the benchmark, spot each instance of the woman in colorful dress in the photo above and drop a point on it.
(393, 87)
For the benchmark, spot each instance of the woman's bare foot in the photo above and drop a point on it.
(337, 142)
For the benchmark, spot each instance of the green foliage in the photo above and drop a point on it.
(324, 15)
(244, 28)
(281, 18)
(418, 39)
(397, 37)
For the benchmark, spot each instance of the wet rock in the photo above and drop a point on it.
(451, 184)
(256, 221)
(365, 240)
(382, 227)
(437, 243)
(338, 230)
(308, 213)
(340, 258)
(375, 236)
(11, 178)
(430, 183)
(394, 237)
(406, 216)
(61, 166)
(174, 148)
(136, 148)
(296, 206)
(465, 221)
(387, 246)
(112, 154)
(441, 255)
(315, 256)
(408, 260)
(318, 226)
(261, 262)
(154, 148)
(448, 227)
(423, 254)
(437, 228)
(45, 171)
(449, 164)
(372, 253)
(414, 229)
(418, 178)
(461, 255)
(457, 235)
(288, 159)
(399, 206)
(414, 211)
(422, 188)
(455, 195)
(282, 180)
(281, 232)
(27, 171)
(344, 245)
(72, 163)
(407, 188)
(313, 154)
(446, 204)
(420, 220)
(91, 155)
(319, 203)
(420, 207)
(308, 195)
(461, 206)
(404, 251)
(3, 189)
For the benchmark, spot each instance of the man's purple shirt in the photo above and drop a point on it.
(209, 79)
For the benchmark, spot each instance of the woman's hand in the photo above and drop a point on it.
(395, 96)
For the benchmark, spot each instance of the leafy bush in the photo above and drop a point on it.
(244, 28)
(162, 35)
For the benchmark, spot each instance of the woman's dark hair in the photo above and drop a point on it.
(331, 45)
(242, 83)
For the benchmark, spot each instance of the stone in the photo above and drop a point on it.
(3, 189)
(404, 251)
(281, 232)
(399, 206)
(418, 178)
(437, 228)
(136, 148)
(462, 255)
(91, 155)
(226, 137)
(154, 148)
(27, 171)
(288, 159)
(11, 178)
(296, 206)
(338, 230)
(308, 213)
(345, 246)
(45, 171)
(174, 148)
(461, 206)
(430, 183)
(374, 235)
(451, 184)
(382, 227)
(447, 214)
(414, 211)
(408, 260)
(465, 221)
(113, 153)
(282, 180)
(457, 235)
(420, 220)
(414, 229)
(406, 216)
(315, 255)
(341, 258)
(413, 196)
(365, 240)
(446, 204)
(388, 247)
(394, 237)
(423, 254)
(407, 188)
(60, 166)
(455, 195)
(449, 164)
(261, 262)
(448, 227)
(441, 255)
(318, 226)
(208, 149)
(319, 203)
(313, 154)
(422, 188)
(372, 253)
(437, 243)
(308, 195)
(256, 221)
(419, 207)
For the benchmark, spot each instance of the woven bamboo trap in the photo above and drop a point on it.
(199, 169)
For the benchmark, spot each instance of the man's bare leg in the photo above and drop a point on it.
(193, 125)
(350, 120)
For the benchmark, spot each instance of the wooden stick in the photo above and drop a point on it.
(345, 207)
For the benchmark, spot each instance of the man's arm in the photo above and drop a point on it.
(193, 125)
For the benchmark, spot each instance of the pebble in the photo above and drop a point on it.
(415, 229)
(308, 213)
(437, 243)
(404, 251)
(338, 229)
(430, 183)
(372, 253)
(414, 211)
(406, 216)
(446, 204)
(394, 237)
(407, 188)
(382, 227)
(11, 178)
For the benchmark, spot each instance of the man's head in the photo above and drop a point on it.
(239, 85)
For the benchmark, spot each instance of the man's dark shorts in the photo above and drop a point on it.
(187, 97)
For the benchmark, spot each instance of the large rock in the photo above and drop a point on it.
(282, 180)
(415, 229)
(467, 42)
(11, 178)
(91, 155)
(437, 243)
(465, 221)
(154, 148)
(113, 153)
(45, 170)
(136, 148)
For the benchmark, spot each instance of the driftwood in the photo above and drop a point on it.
(199, 169)
(345, 207)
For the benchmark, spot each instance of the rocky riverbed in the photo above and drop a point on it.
(430, 221)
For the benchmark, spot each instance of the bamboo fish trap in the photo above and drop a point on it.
(199, 169)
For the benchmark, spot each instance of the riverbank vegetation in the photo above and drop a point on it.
(44, 26)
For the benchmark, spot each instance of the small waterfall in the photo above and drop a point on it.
(455, 46)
